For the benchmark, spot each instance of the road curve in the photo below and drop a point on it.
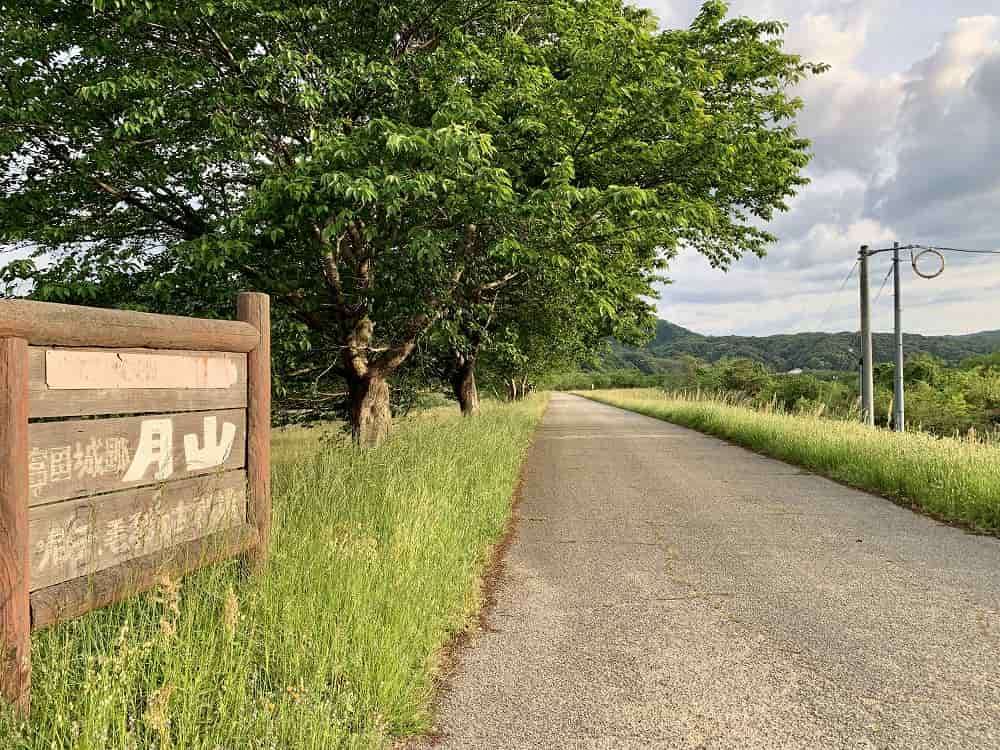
(668, 590)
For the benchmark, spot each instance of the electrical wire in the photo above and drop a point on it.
(834, 300)
(882, 288)
(937, 250)
(934, 247)
(959, 250)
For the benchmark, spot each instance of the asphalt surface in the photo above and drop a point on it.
(668, 590)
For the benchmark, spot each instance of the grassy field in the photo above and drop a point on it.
(376, 562)
(955, 479)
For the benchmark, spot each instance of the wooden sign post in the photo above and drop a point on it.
(15, 619)
(255, 309)
(153, 457)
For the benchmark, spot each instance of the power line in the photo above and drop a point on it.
(882, 288)
(960, 250)
(834, 300)
(935, 247)
(867, 386)
(837, 294)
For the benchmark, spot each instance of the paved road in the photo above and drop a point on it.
(668, 590)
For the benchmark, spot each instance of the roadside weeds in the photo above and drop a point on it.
(953, 480)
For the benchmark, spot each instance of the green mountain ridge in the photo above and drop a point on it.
(783, 352)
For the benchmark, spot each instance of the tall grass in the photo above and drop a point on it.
(955, 479)
(376, 562)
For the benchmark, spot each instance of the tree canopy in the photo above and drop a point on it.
(383, 168)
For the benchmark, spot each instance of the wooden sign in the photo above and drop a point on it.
(88, 456)
(130, 445)
(207, 380)
(79, 537)
(71, 369)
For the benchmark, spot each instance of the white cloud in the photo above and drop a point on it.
(907, 153)
(956, 58)
(800, 287)
(949, 135)
(848, 111)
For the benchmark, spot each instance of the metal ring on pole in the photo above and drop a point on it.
(915, 259)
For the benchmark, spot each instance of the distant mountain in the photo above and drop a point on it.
(809, 351)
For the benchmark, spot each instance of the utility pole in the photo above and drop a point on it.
(867, 376)
(898, 410)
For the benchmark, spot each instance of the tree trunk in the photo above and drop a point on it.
(512, 389)
(371, 415)
(463, 384)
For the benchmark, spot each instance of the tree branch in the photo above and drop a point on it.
(501, 282)
(394, 356)
(189, 229)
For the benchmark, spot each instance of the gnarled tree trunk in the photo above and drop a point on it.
(370, 413)
(463, 384)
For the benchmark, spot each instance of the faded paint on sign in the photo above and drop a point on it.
(156, 448)
(79, 537)
(70, 459)
(90, 370)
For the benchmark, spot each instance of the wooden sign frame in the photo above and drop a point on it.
(105, 364)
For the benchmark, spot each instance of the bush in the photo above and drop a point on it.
(940, 399)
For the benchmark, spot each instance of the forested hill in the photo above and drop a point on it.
(810, 351)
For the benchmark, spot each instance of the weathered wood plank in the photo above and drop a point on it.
(85, 369)
(50, 324)
(59, 402)
(88, 456)
(256, 310)
(76, 538)
(65, 601)
(15, 622)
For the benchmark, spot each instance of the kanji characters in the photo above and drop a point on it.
(60, 463)
(115, 457)
(61, 546)
(118, 538)
(156, 448)
(216, 449)
(85, 458)
(38, 471)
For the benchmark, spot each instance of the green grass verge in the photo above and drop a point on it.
(376, 563)
(954, 479)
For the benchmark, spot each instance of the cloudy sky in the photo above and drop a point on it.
(906, 137)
